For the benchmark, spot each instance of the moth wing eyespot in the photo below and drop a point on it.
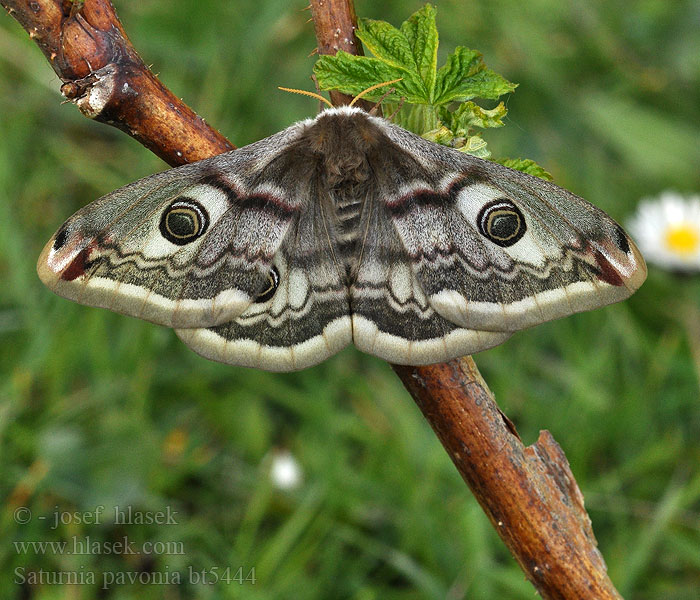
(183, 221)
(501, 222)
(273, 283)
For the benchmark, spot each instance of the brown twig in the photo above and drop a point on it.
(529, 494)
(105, 77)
(335, 23)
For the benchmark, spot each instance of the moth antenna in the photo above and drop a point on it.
(305, 93)
(372, 88)
(313, 78)
(398, 108)
(318, 87)
(378, 103)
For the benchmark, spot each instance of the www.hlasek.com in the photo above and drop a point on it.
(108, 579)
(87, 545)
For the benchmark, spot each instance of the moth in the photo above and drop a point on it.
(342, 228)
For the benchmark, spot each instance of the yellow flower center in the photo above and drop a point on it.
(682, 239)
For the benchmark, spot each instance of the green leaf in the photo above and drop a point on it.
(410, 53)
(476, 146)
(464, 76)
(422, 35)
(473, 144)
(441, 135)
(526, 166)
(470, 115)
(346, 73)
(354, 74)
(387, 43)
(455, 128)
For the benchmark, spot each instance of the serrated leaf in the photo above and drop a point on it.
(526, 166)
(469, 115)
(354, 74)
(460, 64)
(410, 53)
(464, 76)
(387, 43)
(475, 146)
(421, 33)
(441, 135)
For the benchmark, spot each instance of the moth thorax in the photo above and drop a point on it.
(344, 143)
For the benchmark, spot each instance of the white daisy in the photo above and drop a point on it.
(667, 231)
(285, 471)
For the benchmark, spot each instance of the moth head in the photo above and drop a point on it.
(501, 222)
(183, 221)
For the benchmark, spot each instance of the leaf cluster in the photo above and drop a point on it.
(437, 103)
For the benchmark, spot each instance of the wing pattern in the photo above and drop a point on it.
(342, 229)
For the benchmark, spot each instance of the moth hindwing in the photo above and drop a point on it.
(343, 228)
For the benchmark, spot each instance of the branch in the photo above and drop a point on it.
(105, 77)
(335, 23)
(529, 494)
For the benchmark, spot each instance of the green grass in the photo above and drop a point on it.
(99, 409)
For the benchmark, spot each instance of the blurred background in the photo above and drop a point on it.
(328, 483)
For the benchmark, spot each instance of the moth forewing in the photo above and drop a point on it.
(343, 228)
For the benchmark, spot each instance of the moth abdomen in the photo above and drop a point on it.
(347, 208)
